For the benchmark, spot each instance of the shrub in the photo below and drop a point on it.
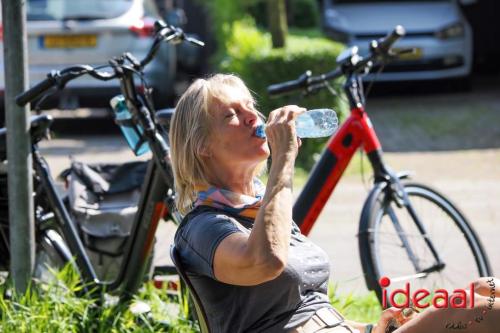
(249, 54)
(300, 13)
(304, 13)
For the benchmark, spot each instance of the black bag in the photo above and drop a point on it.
(103, 201)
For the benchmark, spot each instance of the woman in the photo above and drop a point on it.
(252, 268)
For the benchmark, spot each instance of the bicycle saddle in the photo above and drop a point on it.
(38, 129)
(164, 116)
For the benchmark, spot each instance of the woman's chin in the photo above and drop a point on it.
(264, 151)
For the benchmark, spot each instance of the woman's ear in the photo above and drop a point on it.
(205, 151)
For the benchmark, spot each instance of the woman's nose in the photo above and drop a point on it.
(250, 118)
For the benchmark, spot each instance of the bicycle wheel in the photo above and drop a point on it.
(392, 245)
(51, 256)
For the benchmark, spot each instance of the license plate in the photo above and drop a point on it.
(415, 55)
(68, 41)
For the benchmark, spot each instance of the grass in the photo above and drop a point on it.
(54, 307)
(364, 309)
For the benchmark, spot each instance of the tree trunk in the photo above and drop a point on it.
(276, 13)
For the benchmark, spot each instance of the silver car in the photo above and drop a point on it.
(68, 32)
(436, 29)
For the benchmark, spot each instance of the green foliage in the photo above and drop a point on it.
(223, 13)
(365, 309)
(249, 54)
(55, 307)
(304, 13)
(301, 13)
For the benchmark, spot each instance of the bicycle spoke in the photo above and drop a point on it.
(443, 232)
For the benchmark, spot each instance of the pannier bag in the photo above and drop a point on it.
(103, 199)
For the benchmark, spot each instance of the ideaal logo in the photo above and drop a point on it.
(440, 298)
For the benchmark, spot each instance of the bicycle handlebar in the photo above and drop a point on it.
(380, 52)
(388, 41)
(285, 87)
(36, 91)
(163, 33)
(305, 81)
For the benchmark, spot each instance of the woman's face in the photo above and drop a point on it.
(233, 141)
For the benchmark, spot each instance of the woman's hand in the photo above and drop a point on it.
(280, 131)
(389, 315)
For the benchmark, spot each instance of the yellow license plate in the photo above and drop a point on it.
(69, 41)
(415, 55)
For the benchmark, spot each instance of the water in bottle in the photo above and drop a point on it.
(133, 133)
(315, 123)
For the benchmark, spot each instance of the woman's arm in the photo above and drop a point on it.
(262, 256)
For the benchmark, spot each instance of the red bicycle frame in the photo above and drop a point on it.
(356, 131)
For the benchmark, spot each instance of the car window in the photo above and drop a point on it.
(77, 10)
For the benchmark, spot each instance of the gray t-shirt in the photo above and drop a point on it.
(274, 306)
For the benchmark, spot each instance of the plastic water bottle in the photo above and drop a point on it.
(131, 131)
(315, 123)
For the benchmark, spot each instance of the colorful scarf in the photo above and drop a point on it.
(234, 203)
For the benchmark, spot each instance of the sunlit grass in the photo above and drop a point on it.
(364, 308)
(56, 307)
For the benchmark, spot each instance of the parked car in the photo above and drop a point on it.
(438, 31)
(65, 32)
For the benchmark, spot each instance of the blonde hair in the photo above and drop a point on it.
(190, 132)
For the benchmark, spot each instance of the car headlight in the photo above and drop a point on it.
(451, 31)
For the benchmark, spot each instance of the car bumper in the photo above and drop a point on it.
(437, 59)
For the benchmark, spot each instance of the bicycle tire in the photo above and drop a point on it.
(51, 256)
(372, 234)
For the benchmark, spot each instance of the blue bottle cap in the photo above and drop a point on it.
(260, 131)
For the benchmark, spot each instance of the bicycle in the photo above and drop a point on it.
(393, 219)
(157, 196)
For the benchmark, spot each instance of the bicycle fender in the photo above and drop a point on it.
(53, 238)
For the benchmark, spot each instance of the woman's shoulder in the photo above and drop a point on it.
(201, 214)
(207, 222)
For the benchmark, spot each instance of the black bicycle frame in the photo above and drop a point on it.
(156, 201)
